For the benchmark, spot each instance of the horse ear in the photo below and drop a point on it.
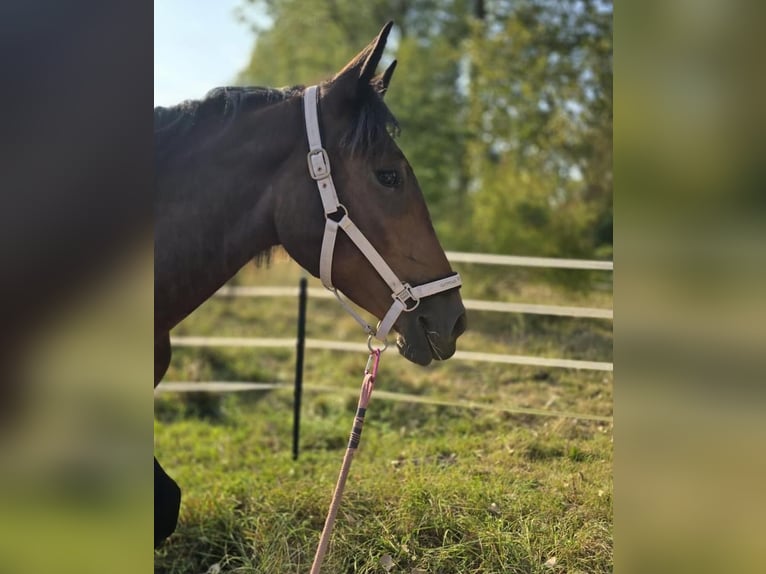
(381, 81)
(373, 59)
(359, 72)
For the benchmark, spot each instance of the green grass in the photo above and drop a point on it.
(436, 488)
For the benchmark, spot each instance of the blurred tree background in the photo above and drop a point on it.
(505, 108)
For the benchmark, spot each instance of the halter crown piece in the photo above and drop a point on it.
(406, 297)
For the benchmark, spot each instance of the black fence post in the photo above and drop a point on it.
(301, 346)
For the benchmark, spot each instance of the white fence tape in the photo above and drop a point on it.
(519, 261)
(362, 348)
(226, 387)
(470, 304)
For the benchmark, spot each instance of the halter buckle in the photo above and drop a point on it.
(319, 163)
(405, 295)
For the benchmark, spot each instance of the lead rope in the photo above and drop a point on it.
(368, 383)
(406, 298)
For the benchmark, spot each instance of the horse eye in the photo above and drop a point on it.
(388, 177)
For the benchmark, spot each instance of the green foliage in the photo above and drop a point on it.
(305, 45)
(541, 170)
(505, 108)
(430, 114)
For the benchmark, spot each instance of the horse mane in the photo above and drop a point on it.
(172, 124)
(372, 118)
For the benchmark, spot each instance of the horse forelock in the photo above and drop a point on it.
(372, 120)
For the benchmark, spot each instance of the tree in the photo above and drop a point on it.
(505, 108)
(542, 110)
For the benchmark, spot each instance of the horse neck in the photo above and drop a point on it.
(214, 207)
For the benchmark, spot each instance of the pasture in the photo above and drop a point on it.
(434, 488)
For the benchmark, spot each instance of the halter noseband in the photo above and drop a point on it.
(406, 297)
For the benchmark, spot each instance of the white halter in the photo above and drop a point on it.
(402, 293)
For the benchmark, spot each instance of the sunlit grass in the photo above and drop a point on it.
(435, 488)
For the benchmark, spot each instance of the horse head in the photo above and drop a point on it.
(377, 188)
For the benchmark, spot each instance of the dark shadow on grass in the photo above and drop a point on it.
(212, 408)
(211, 364)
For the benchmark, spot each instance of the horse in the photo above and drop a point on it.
(233, 180)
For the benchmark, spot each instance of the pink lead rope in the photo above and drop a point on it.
(368, 383)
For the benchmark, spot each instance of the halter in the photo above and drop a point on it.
(406, 297)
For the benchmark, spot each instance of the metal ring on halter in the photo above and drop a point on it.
(371, 348)
(406, 295)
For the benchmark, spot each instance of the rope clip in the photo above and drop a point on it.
(377, 350)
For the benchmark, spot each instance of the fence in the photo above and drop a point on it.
(300, 343)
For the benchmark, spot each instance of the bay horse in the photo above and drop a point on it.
(233, 180)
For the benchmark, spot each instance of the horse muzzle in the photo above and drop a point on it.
(431, 331)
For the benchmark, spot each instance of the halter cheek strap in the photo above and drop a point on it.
(405, 297)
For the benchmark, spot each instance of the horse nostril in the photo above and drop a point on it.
(460, 326)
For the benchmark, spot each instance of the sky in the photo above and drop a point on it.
(198, 45)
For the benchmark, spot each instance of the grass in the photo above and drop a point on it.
(433, 488)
